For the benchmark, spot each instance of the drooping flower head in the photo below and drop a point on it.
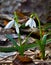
(31, 23)
(13, 22)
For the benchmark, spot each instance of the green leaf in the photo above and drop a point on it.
(21, 50)
(47, 26)
(28, 46)
(13, 41)
(22, 26)
(43, 43)
(8, 49)
(44, 38)
(26, 39)
(39, 44)
(48, 41)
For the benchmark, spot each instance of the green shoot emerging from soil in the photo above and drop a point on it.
(43, 39)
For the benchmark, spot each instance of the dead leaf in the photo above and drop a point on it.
(5, 22)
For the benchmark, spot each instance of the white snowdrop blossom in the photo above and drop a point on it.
(10, 24)
(17, 27)
(31, 23)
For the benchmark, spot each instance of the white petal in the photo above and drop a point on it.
(17, 27)
(31, 23)
(34, 24)
(9, 25)
(27, 23)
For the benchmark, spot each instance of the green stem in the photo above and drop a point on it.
(16, 20)
(15, 17)
(43, 54)
(26, 39)
(42, 49)
(19, 38)
(39, 26)
(21, 51)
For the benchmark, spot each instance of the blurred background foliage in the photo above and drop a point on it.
(41, 7)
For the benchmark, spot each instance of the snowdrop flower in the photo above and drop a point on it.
(10, 24)
(17, 27)
(31, 23)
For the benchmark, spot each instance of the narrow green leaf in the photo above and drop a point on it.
(22, 26)
(26, 39)
(28, 46)
(47, 26)
(21, 50)
(39, 44)
(48, 41)
(8, 49)
(13, 41)
(44, 38)
(43, 43)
